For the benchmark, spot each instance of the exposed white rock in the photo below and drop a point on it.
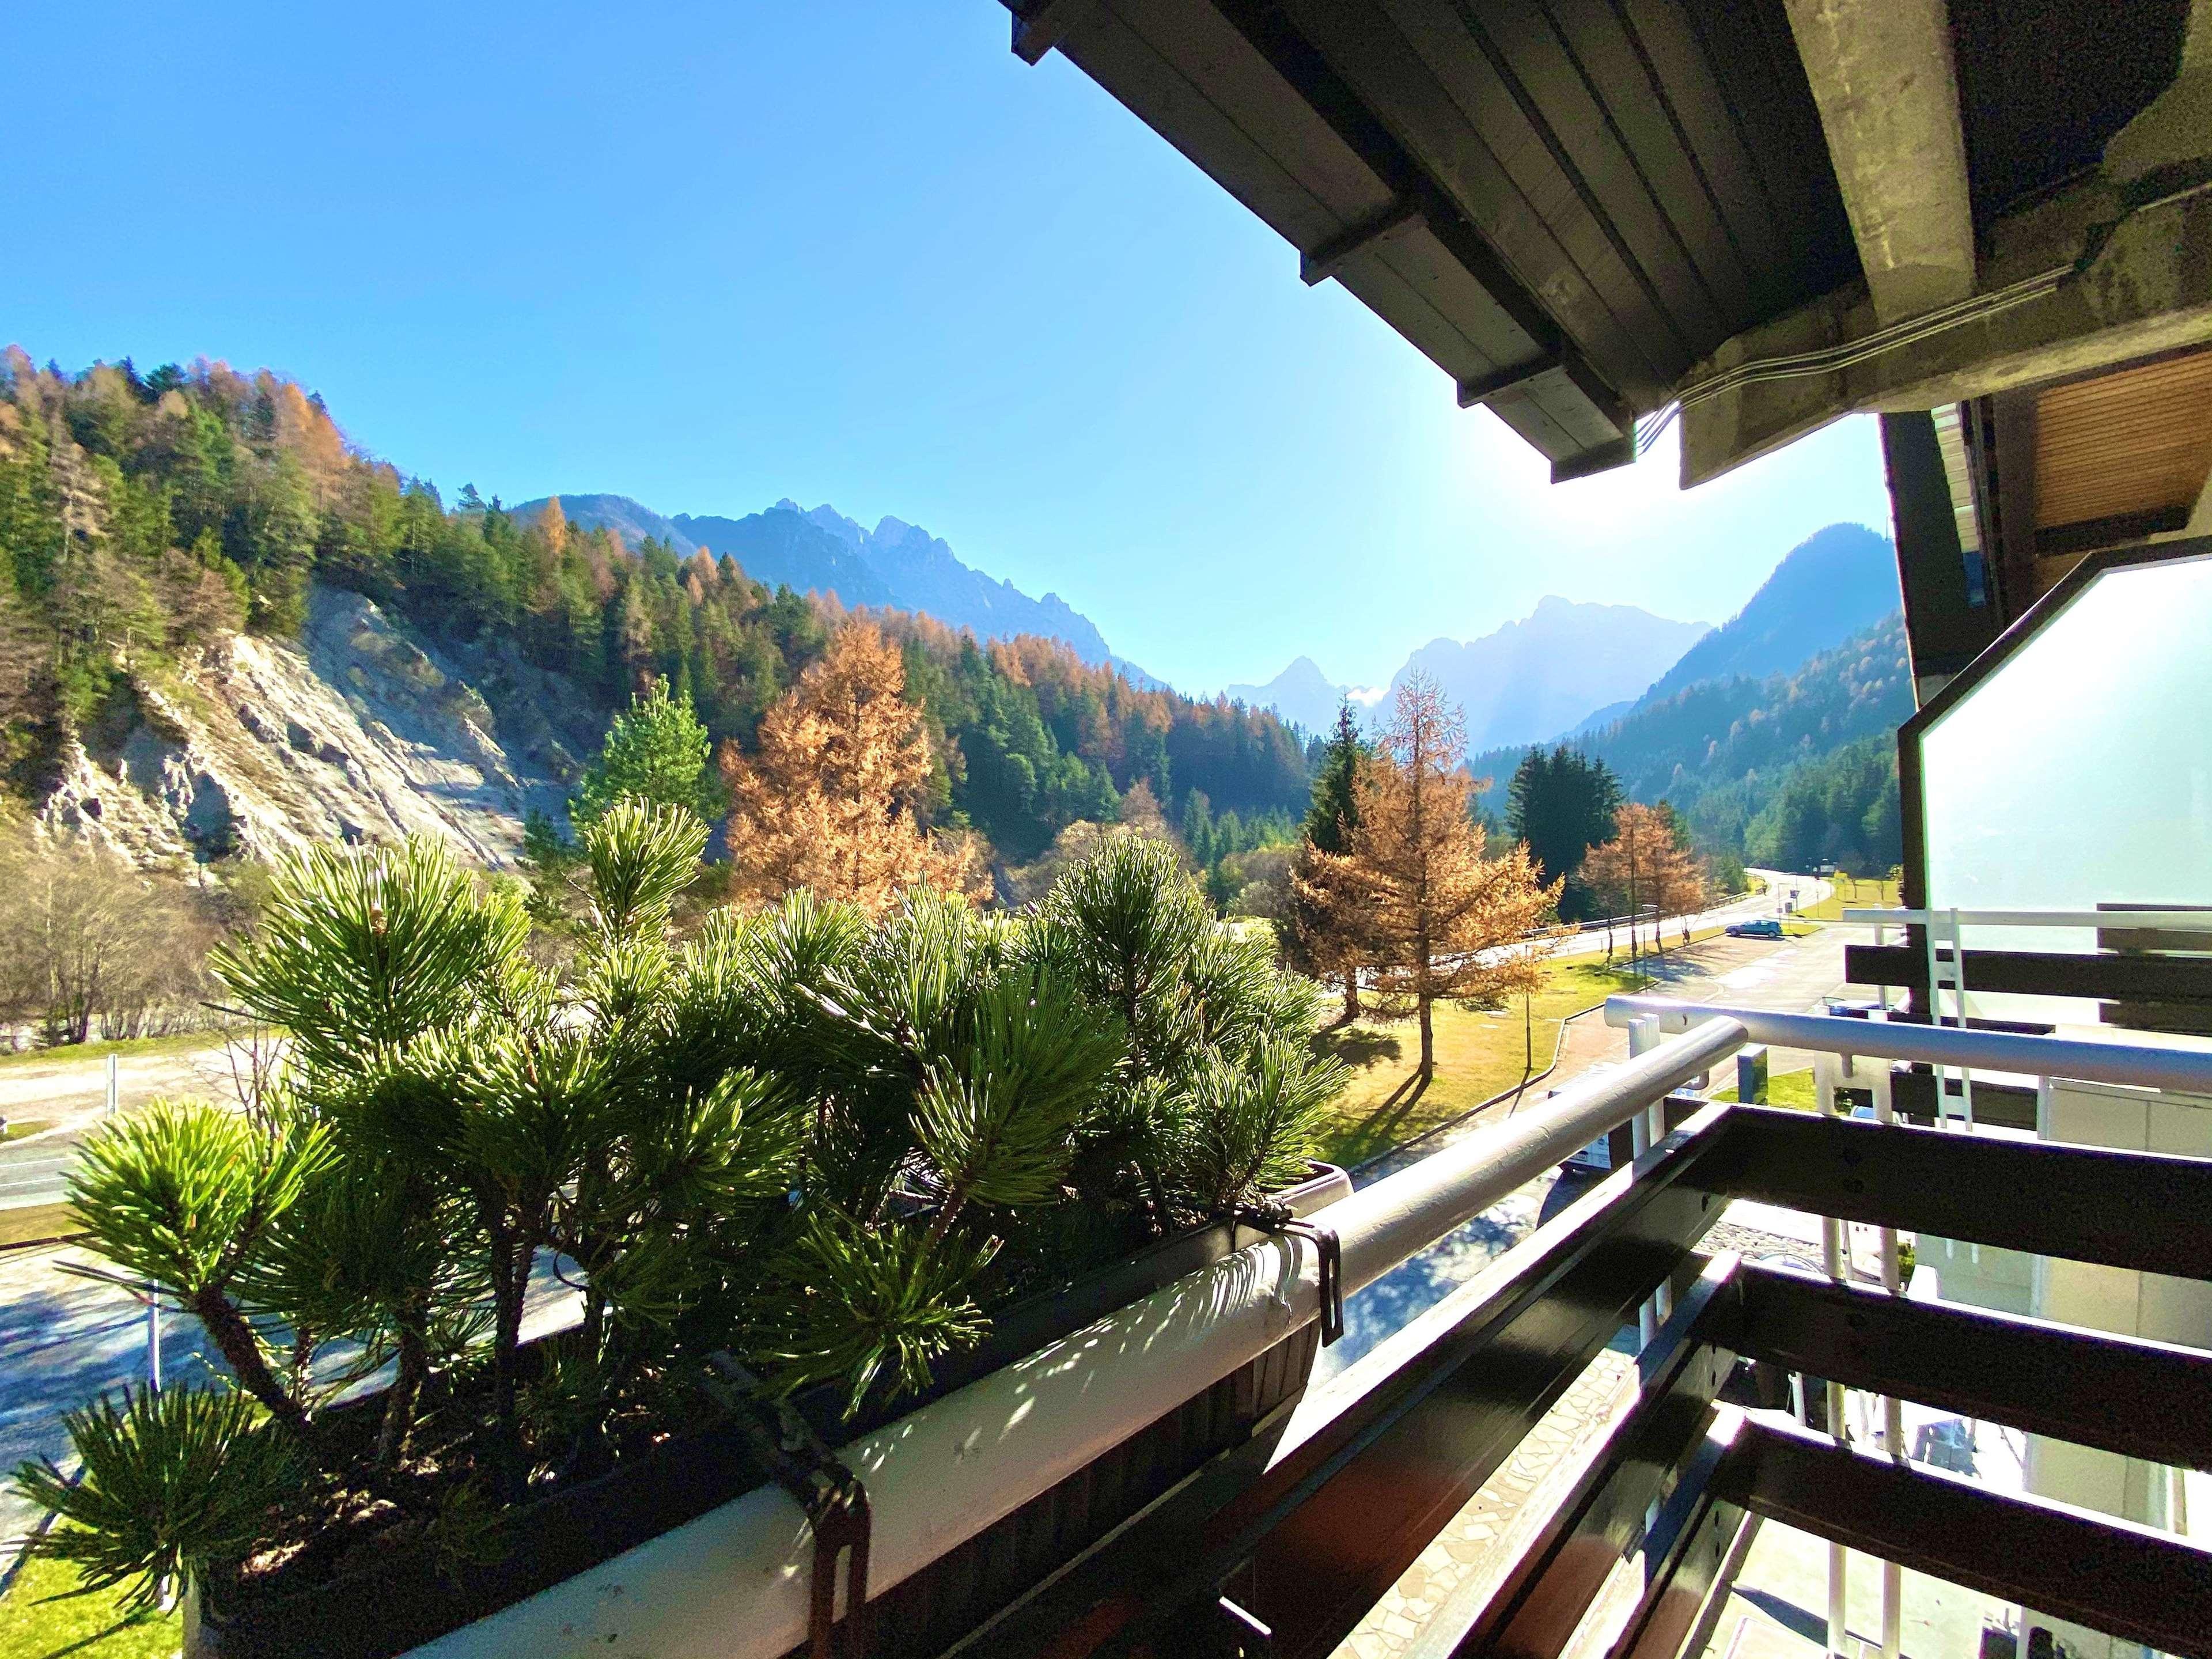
(356, 734)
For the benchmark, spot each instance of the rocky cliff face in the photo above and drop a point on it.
(357, 732)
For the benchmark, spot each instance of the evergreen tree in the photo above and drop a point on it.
(1333, 812)
(657, 752)
(1560, 804)
(1316, 929)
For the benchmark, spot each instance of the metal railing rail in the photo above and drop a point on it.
(2093, 1061)
(2169, 921)
(1838, 1043)
(735, 1582)
(1302, 1533)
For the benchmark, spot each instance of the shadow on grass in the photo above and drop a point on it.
(1357, 1047)
(46, 1613)
(1383, 1129)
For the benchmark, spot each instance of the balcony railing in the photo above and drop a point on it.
(1281, 1544)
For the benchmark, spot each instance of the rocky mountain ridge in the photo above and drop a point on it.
(819, 551)
(1832, 585)
(1523, 682)
(1571, 670)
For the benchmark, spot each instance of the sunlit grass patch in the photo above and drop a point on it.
(1793, 1089)
(27, 1223)
(33, 1624)
(1854, 894)
(178, 1042)
(1479, 1054)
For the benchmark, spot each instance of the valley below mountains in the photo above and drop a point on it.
(1771, 735)
(227, 633)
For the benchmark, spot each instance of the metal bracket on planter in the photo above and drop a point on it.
(1275, 1219)
(836, 1503)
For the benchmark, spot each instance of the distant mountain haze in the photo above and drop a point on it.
(897, 564)
(1525, 681)
(1533, 679)
(785, 548)
(1301, 693)
(1723, 750)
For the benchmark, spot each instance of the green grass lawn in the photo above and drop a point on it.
(17, 1128)
(182, 1043)
(1854, 894)
(1793, 1089)
(1478, 1053)
(28, 1222)
(35, 1626)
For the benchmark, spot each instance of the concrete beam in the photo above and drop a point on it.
(2135, 282)
(2176, 129)
(1882, 80)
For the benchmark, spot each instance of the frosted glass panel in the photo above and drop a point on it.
(2079, 772)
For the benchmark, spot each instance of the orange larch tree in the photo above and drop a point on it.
(1412, 892)
(1645, 866)
(829, 800)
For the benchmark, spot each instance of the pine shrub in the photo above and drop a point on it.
(830, 1145)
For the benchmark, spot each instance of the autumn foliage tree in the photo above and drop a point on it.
(1645, 866)
(1413, 892)
(828, 801)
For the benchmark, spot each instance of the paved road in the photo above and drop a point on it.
(1791, 975)
(1786, 895)
(61, 1100)
(65, 1339)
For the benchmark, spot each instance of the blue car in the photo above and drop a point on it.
(1761, 927)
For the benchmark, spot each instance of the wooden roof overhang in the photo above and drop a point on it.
(1587, 212)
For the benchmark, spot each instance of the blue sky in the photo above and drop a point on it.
(709, 255)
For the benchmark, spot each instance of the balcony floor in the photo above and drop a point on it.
(1778, 1608)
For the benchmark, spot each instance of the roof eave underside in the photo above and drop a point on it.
(1559, 207)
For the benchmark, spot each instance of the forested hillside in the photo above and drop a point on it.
(1830, 587)
(1787, 770)
(143, 517)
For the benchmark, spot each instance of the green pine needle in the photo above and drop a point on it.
(172, 1483)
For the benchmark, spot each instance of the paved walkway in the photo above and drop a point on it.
(62, 1099)
(1792, 974)
(65, 1339)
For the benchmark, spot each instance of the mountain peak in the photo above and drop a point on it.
(820, 551)
(1836, 582)
(1301, 693)
(1529, 680)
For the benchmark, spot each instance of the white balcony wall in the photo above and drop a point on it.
(2127, 1304)
(2080, 771)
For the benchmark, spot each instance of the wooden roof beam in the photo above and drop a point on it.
(1882, 79)
(1045, 25)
